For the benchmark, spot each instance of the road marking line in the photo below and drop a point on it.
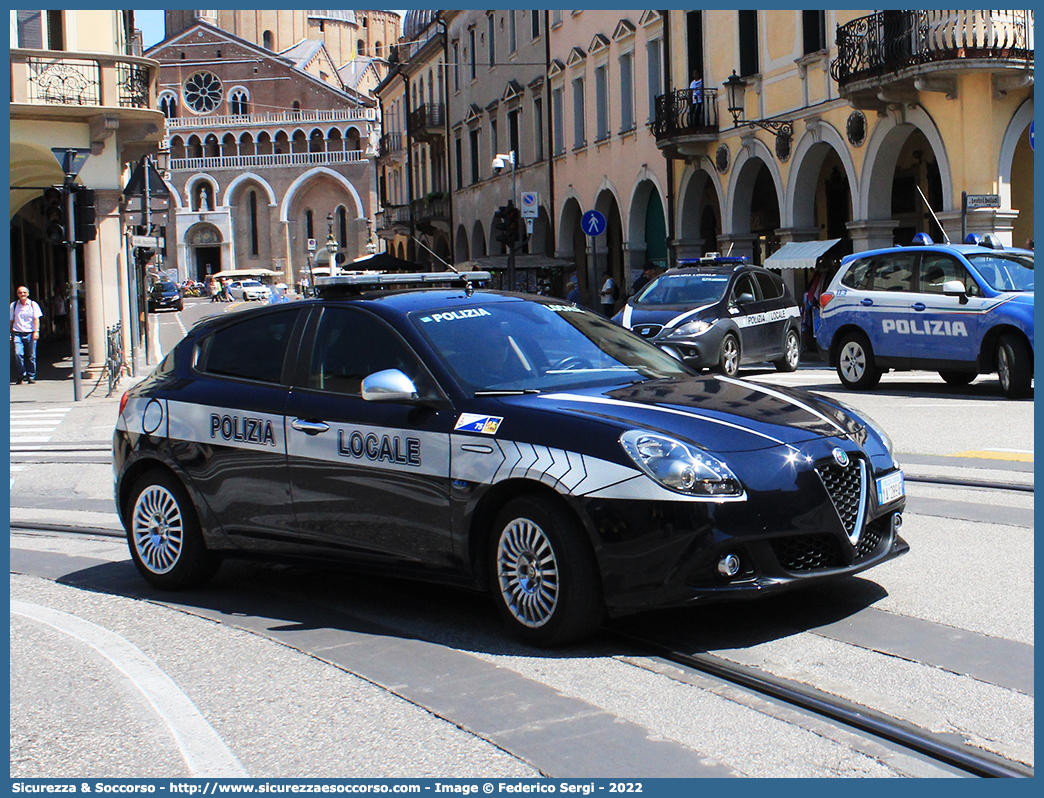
(205, 753)
(993, 454)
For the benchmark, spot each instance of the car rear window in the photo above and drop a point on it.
(251, 350)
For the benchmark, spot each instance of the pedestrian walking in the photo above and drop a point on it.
(226, 295)
(212, 289)
(608, 294)
(573, 294)
(59, 312)
(25, 332)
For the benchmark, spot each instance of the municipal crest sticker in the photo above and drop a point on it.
(472, 422)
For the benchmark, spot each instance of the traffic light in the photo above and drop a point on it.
(143, 254)
(513, 221)
(500, 224)
(54, 214)
(85, 214)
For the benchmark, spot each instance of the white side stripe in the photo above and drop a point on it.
(784, 398)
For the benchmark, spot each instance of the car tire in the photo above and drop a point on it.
(856, 367)
(1014, 367)
(164, 535)
(791, 352)
(543, 573)
(729, 356)
(958, 377)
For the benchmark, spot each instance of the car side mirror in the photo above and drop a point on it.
(390, 385)
(745, 299)
(955, 288)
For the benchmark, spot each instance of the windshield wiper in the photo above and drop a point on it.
(514, 392)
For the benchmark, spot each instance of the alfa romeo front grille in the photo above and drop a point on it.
(846, 486)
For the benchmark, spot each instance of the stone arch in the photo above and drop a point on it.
(247, 145)
(264, 184)
(1016, 183)
(461, 251)
(882, 155)
(798, 209)
(741, 185)
(647, 191)
(478, 240)
(701, 198)
(296, 186)
(194, 187)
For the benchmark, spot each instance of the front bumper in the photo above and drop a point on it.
(790, 530)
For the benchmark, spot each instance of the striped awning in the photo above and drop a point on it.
(799, 254)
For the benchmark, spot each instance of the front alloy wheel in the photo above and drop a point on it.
(528, 573)
(791, 353)
(728, 362)
(543, 573)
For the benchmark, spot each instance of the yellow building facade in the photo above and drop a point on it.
(76, 83)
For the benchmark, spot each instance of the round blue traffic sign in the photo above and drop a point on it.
(592, 223)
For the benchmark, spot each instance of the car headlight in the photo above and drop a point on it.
(690, 328)
(679, 466)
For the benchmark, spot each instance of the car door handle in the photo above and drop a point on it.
(867, 301)
(919, 306)
(309, 427)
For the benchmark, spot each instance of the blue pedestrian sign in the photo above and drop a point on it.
(592, 223)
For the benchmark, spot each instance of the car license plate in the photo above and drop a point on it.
(890, 488)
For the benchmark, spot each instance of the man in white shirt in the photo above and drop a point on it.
(695, 111)
(607, 295)
(25, 332)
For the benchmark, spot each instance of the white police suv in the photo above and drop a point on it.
(961, 310)
(511, 443)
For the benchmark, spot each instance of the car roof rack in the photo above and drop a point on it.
(353, 283)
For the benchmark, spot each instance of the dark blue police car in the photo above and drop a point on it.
(511, 443)
(718, 314)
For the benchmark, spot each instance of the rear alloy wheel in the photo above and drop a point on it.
(164, 536)
(791, 352)
(856, 367)
(543, 574)
(958, 377)
(1014, 367)
(729, 359)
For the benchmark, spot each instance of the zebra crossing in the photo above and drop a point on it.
(33, 427)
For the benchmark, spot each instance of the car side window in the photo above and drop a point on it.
(352, 344)
(251, 350)
(894, 273)
(771, 286)
(937, 269)
(744, 285)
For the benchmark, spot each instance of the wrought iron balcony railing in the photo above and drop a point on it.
(392, 216)
(888, 41)
(390, 145)
(431, 209)
(678, 115)
(77, 79)
(428, 115)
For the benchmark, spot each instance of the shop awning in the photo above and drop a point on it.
(799, 254)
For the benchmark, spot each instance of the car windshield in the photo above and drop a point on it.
(1010, 271)
(251, 284)
(164, 288)
(531, 346)
(684, 289)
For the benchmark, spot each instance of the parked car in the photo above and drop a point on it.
(165, 295)
(718, 315)
(515, 444)
(249, 290)
(961, 310)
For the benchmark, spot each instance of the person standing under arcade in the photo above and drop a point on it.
(25, 332)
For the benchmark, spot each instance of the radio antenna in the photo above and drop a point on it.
(929, 207)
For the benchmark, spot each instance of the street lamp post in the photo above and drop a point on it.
(72, 161)
(331, 242)
(735, 90)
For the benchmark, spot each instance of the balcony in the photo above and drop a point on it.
(432, 208)
(63, 85)
(891, 56)
(428, 122)
(289, 118)
(270, 160)
(390, 150)
(394, 219)
(683, 127)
